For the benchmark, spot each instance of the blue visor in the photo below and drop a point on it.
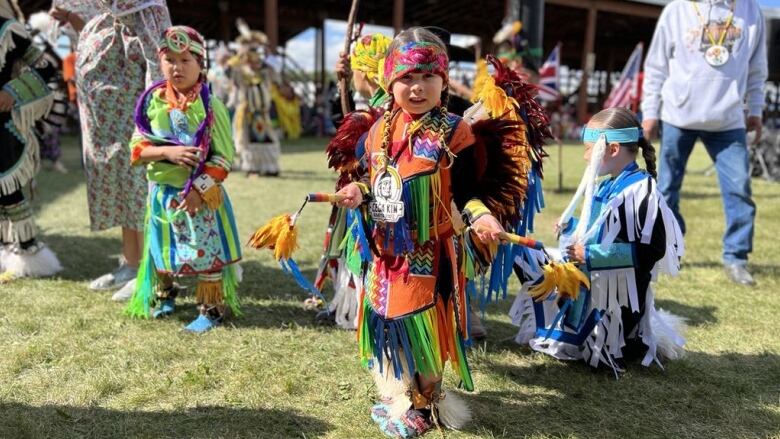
(622, 135)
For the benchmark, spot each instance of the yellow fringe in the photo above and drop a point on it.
(209, 292)
(212, 197)
(277, 235)
(565, 277)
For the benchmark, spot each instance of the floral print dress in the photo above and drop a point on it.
(117, 58)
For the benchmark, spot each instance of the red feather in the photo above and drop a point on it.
(507, 148)
(341, 148)
(502, 168)
(531, 111)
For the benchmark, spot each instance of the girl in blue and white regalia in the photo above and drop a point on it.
(626, 235)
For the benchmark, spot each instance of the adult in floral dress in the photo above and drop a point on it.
(116, 60)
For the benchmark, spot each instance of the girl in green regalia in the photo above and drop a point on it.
(183, 135)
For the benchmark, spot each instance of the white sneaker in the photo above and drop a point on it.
(117, 279)
(3, 253)
(125, 293)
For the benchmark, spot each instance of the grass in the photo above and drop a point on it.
(73, 366)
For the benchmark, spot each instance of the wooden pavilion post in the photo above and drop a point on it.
(224, 20)
(323, 67)
(272, 23)
(588, 63)
(398, 16)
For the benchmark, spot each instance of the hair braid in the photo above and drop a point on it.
(648, 153)
(388, 121)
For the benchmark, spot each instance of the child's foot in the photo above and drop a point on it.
(203, 324)
(413, 423)
(165, 308)
(380, 413)
(325, 317)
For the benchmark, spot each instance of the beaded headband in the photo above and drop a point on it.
(180, 39)
(416, 57)
(622, 135)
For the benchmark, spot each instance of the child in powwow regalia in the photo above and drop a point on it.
(422, 160)
(625, 236)
(183, 136)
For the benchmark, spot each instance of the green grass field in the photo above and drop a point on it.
(73, 366)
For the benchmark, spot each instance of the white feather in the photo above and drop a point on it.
(3, 255)
(239, 272)
(669, 330)
(345, 299)
(39, 264)
(47, 26)
(243, 28)
(393, 391)
(475, 113)
(504, 33)
(453, 411)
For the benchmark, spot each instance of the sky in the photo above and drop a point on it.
(301, 48)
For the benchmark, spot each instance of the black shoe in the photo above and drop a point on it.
(325, 317)
(738, 274)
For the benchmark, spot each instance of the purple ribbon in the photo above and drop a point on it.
(202, 137)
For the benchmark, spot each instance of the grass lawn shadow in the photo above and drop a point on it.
(701, 396)
(756, 269)
(53, 184)
(269, 299)
(85, 257)
(693, 315)
(24, 421)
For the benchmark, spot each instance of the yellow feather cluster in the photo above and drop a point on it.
(480, 78)
(496, 102)
(277, 235)
(566, 278)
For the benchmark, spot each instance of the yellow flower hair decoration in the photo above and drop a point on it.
(368, 55)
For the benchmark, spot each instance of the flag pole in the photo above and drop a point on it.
(560, 161)
(559, 136)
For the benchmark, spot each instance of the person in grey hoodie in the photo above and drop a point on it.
(704, 79)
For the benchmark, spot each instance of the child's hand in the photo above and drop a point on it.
(487, 228)
(192, 203)
(558, 229)
(6, 101)
(353, 197)
(60, 14)
(186, 156)
(576, 253)
(342, 68)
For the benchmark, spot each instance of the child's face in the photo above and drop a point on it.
(418, 93)
(181, 69)
(611, 154)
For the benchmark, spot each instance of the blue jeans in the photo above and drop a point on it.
(728, 149)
